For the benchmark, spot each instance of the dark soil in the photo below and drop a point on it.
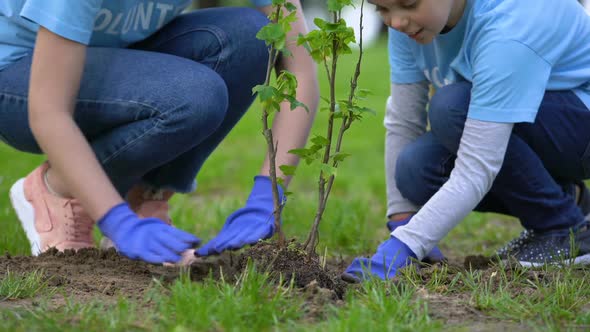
(292, 262)
(92, 274)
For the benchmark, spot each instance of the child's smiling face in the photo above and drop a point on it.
(421, 20)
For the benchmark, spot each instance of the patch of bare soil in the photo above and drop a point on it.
(92, 274)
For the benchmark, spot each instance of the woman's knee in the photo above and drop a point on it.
(250, 20)
(197, 105)
(206, 107)
(252, 52)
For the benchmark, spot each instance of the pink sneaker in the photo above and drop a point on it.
(48, 220)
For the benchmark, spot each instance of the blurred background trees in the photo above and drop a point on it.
(373, 27)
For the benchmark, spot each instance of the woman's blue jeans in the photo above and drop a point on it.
(543, 159)
(154, 112)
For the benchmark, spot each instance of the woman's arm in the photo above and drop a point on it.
(291, 128)
(55, 80)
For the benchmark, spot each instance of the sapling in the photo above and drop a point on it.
(272, 94)
(326, 45)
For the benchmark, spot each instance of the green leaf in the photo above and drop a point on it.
(367, 110)
(337, 5)
(286, 52)
(265, 92)
(296, 103)
(320, 140)
(320, 23)
(300, 152)
(362, 93)
(328, 170)
(340, 156)
(270, 32)
(287, 82)
(282, 183)
(288, 169)
(302, 41)
(290, 7)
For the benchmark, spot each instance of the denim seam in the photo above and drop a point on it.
(8, 94)
(112, 101)
(444, 162)
(118, 102)
(129, 144)
(211, 29)
(586, 161)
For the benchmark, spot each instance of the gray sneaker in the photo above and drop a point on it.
(528, 234)
(570, 246)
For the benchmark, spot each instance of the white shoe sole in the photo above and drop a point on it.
(580, 260)
(26, 214)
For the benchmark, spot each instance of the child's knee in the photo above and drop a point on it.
(407, 177)
(448, 103)
(447, 113)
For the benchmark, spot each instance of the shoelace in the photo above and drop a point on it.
(81, 224)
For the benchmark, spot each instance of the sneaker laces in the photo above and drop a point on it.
(80, 228)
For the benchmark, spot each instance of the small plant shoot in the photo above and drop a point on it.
(271, 96)
(325, 45)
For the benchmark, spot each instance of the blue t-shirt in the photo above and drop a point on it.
(108, 23)
(511, 51)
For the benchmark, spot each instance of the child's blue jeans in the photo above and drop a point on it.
(542, 161)
(155, 111)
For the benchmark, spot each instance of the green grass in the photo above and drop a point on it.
(94, 316)
(354, 224)
(380, 306)
(21, 286)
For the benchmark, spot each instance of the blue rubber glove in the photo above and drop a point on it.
(254, 222)
(435, 254)
(149, 239)
(391, 256)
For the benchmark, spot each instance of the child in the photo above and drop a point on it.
(128, 99)
(509, 126)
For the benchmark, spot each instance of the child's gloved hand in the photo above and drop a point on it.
(149, 239)
(248, 225)
(391, 256)
(434, 256)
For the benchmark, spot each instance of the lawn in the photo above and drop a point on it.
(450, 297)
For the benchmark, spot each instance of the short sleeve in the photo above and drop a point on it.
(402, 61)
(509, 82)
(71, 19)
